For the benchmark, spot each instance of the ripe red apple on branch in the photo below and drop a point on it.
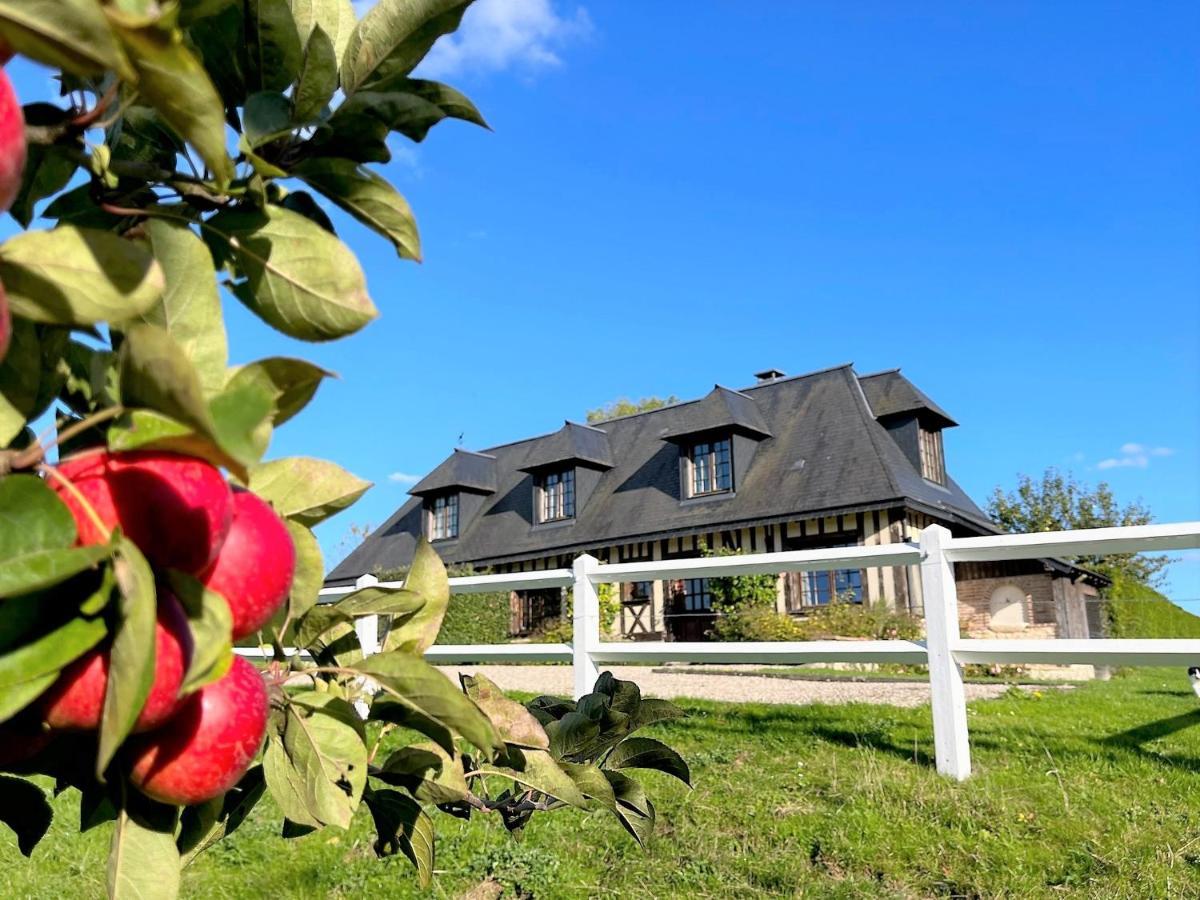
(176, 508)
(205, 749)
(76, 700)
(12, 163)
(254, 567)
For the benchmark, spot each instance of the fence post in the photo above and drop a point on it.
(367, 627)
(951, 742)
(585, 613)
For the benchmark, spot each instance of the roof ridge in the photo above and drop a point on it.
(775, 381)
(892, 371)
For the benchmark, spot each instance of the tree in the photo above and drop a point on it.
(623, 406)
(192, 146)
(1058, 502)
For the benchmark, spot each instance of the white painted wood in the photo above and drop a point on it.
(1090, 541)
(443, 654)
(585, 613)
(762, 563)
(482, 584)
(951, 742)
(367, 627)
(760, 651)
(1099, 651)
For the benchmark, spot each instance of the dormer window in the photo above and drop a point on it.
(710, 467)
(443, 517)
(933, 459)
(557, 490)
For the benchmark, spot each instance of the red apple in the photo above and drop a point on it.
(254, 568)
(177, 509)
(12, 143)
(74, 701)
(209, 745)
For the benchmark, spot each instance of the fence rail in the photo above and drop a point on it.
(944, 650)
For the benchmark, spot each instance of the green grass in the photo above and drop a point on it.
(1093, 792)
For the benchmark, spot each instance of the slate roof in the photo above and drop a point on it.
(720, 410)
(890, 392)
(826, 454)
(571, 443)
(462, 469)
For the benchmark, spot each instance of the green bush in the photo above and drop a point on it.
(470, 618)
(850, 620)
(1134, 610)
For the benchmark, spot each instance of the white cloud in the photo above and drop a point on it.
(404, 478)
(501, 34)
(1134, 456)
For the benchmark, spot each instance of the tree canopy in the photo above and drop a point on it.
(1058, 502)
(623, 406)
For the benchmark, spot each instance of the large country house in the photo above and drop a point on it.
(827, 459)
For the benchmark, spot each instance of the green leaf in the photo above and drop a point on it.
(384, 709)
(78, 276)
(419, 685)
(536, 769)
(141, 135)
(572, 735)
(32, 517)
(273, 45)
(368, 197)
(647, 753)
(267, 117)
(318, 80)
(403, 827)
(143, 863)
(427, 580)
(651, 711)
(90, 379)
(624, 696)
(20, 380)
(211, 36)
(173, 81)
(634, 808)
(297, 276)
(72, 35)
(317, 769)
(131, 660)
(394, 36)
(318, 622)
(591, 783)
(516, 724)
(291, 382)
(335, 17)
(24, 809)
(211, 625)
(427, 771)
(305, 489)
(310, 571)
(190, 309)
(40, 569)
(204, 825)
(381, 601)
(368, 116)
(155, 374)
(48, 169)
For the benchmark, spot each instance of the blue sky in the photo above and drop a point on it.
(1001, 199)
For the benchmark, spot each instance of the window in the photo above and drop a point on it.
(534, 610)
(443, 514)
(933, 461)
(823, 588)
(697, 597)
(710, 466)
(638, 591)
(558, 495)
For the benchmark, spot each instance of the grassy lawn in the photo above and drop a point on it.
(1087, 793)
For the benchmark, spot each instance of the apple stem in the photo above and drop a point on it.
(34, 455)
(52, 472)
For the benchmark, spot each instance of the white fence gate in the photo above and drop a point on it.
(944, 649)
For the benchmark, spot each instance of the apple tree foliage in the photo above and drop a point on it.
(192, 151)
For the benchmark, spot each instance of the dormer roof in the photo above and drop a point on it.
(890, 393)
(462, 469)
(573, 443)
(720, 410)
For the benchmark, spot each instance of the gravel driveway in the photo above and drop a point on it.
(732, 688)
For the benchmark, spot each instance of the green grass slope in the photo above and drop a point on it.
(1083, 793)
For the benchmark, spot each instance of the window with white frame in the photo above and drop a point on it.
(558, 495)
(710, 465)
(443, 517)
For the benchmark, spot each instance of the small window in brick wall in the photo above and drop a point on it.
(1007, 609)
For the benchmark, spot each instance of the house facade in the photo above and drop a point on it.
(827, 459)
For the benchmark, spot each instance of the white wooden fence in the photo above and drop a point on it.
(944, 649)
